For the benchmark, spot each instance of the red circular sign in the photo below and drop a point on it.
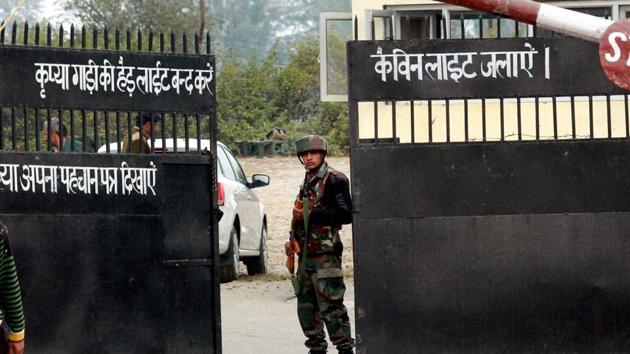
(614, 53)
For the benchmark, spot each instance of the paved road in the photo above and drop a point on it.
(259, 317)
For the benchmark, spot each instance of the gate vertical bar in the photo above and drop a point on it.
(483, 118)
(151, 136)
(186, 133)
(25, 127)
(72, 131)
(61, 35)
(573, 117)
(196, 42)
(174, 116)
(84, 130)
(163, 131)
(608, 116)
(502, 118)
(480, 26)
(129, 131)
(1, 128)
(13, 129)
(625, 100)
(48, 129)
(536, 102)
(37, 142)
(25, 34)
(394, 122)
(430, 120)
(198, 129)
(95, 133)
(106, 117)
(555, 118)
(466, 136)
(590, 117)
(413, 121)
(14, 33)
(519, 118)
(72, 36)
(448, 120)
(375, 121)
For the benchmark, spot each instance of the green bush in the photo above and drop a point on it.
(254, 96)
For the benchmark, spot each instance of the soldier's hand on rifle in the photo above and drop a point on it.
(289, 250)
(298, 213)
(298, 210)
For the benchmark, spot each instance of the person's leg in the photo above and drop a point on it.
(308, 314)
(330, 290)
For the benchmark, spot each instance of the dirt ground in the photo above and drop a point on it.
(286, 176)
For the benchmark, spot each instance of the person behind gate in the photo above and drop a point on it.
(322, 206)
(11, 311)
(59, 140)
(146, 122)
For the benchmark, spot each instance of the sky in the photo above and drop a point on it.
(53, 11)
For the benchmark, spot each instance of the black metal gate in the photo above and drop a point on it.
(491, 185)
(115, 252)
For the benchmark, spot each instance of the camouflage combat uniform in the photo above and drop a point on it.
(320, 300)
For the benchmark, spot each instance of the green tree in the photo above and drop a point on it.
(244, 108)
(296, 87)
(255, 96)
(181, 16)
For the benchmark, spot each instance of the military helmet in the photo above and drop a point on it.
(310, 143)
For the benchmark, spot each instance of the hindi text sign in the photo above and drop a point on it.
(106, 80)
(474, 68)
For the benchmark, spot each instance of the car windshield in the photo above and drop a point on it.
(224, 164)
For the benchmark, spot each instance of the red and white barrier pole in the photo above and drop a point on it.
(550, 17)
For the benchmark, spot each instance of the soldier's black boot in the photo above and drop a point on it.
(346, 351)
(316, 352)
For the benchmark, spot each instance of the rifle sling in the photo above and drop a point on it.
(306, 236)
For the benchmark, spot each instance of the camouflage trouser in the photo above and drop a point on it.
(321, 301)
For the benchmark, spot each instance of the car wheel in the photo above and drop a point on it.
(229, 272)
(258, 265)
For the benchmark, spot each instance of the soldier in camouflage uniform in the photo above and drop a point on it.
(320, 276)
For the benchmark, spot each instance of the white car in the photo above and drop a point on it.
(243, 226)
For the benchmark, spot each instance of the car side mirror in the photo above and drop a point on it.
(259, 181)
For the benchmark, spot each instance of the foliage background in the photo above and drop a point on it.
(256, 96)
